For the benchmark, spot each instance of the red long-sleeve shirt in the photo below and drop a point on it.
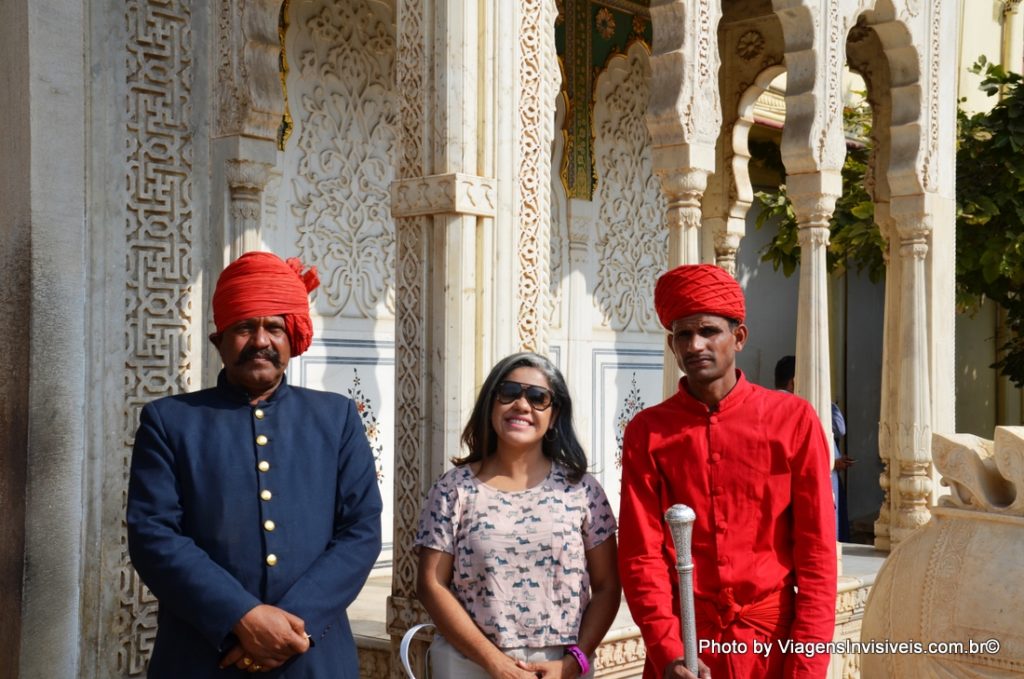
(756, 472)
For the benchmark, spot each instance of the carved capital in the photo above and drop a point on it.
(813, 236)
(453, 193)
(814, 197)
(246, 176)
(249, 99)
(916, 247)
(684, 189)
(913, 230)
(726, 245)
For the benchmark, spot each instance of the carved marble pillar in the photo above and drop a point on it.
(683, 191)
(538, 84)
(727, 244)
(1010, 49)
(684, 117)
(579, 292)
(814, 199)
(248, 110)
(472, 249)
(887, 416)
(911, 469)
(246, 179)
(723, 226)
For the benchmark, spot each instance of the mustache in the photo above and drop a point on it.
(269, 354)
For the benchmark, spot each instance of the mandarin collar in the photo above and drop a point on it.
(237, 394)
(736, 395)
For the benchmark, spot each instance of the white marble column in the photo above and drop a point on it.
(471, 203)
(579, 292)
(890, 374)
(249, 106)
(683, 190)
(246, 180)
(913, 472)
(46, 421)
(436, 200)
(684, 117)
(814, 198)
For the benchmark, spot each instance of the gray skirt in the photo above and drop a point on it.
(447, 663)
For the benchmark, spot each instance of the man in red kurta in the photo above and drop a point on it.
(753, 463)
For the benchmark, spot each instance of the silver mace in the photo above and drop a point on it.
(680, 520)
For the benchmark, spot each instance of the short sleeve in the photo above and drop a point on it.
(598, 522)
(436, 528)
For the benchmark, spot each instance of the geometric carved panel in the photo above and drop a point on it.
(341, 160)
(159, 311)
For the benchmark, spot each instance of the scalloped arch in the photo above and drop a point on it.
(906, 129)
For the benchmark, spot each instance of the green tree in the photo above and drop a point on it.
(989, 216)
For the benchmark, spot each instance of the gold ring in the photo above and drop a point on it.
(246, 660)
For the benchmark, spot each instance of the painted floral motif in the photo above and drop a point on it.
(639, 26)
(631, 405)
(605, 23)
(369, 418)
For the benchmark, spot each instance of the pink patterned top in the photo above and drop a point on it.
(519, 557)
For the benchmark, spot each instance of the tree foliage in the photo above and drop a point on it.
(989, 215)
(855, 239)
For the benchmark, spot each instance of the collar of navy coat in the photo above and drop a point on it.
(237, 394)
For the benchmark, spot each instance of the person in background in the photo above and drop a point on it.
(785, 372)
(253, 507)
(516, 543)
(753, 464)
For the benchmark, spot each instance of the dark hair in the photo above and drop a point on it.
(785, 370)
(481, 440)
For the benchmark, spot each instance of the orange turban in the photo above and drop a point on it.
(260, 284)
(697, 289)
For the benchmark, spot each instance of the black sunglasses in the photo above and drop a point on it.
(539, 398)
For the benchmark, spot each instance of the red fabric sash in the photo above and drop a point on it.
(771, 615)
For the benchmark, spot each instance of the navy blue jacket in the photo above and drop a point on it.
(198, 505)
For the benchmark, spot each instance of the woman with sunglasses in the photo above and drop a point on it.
(516, 543)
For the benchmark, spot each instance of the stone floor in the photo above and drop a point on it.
(622, 654)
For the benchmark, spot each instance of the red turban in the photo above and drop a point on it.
(260, 284)
(697, 289)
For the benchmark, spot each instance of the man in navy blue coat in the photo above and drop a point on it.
(253, 506)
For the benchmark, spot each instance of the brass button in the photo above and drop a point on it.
(268, 525)
(271, 559)
(261, 440)
(263, 466)
(258, 413)
(266, 495)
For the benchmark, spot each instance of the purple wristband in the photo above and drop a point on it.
(581, 658)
